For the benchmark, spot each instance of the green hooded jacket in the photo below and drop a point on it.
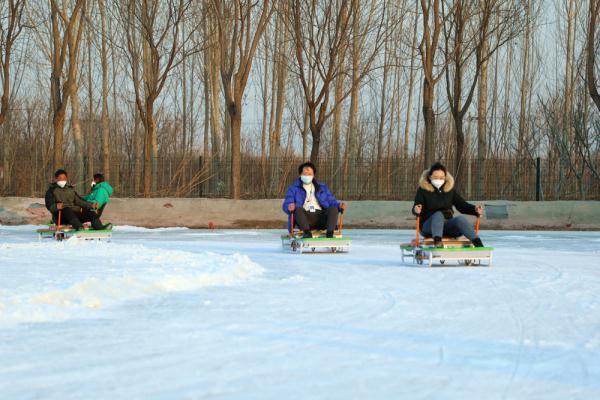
(100, 194)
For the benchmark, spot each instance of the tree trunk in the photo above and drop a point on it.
(590, 66)
(216, 124)
(459, 151)
(411, 83)
(6, 172)
(316, 141)
(481, 125)
(184, 100)
(236, 165)
(137, 152)
(305, 131)
(524, 86)
(282, 74)
(429, 120)
(104, 117)
(89, 136)
(265, 113)
(336, 142)
(58, 120)
(352, 134)
(568, 105)
(77, 139)
(282, 71)
(154, 143)
(207, 120)
(150, 159)
(382, 113)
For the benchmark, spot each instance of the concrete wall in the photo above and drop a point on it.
(224, 213)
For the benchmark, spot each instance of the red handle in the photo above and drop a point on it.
(292, 232)
(477, 226)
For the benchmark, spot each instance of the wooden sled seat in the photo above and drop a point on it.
(449, 241)
(315, 234)
(318, 243)
(318, 234)
(87, 226)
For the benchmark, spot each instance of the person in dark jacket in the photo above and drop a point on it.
(62, 197)
(312, 203)
(435, 198)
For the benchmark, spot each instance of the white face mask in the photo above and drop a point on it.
(438, 183)
(306, 179)
(62, 184)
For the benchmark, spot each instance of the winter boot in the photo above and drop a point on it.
(477, 242)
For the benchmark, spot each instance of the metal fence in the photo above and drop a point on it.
(390, 179)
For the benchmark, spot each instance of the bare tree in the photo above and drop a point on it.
(154, 46)
(11, 26)
(472, 35)
(433, 16)
(322, 31)
(11, 13)
(368, 16)
(154, 69)
(104, 65)
(280, 76)
(592, 51)
(524, 89)
(410, 86)
(239, 33)
(67, 26)
(73, 49)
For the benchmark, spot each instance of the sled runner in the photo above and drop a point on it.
(62, 232)
(294, 242)
(459, 250)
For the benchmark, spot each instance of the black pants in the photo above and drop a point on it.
(75, 218)
(320, 219)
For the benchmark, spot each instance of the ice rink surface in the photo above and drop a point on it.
(195, 314)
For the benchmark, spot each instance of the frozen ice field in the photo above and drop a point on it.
(196, 314)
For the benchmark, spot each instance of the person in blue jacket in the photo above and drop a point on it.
(312, 203)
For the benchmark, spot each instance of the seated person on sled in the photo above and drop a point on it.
(433, 204)
(101, 192)
(311, 202)
(61, 197)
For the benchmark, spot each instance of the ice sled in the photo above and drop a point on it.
(63, 232)
(460, 251)
(294, 242)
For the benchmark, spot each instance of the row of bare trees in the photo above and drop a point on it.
(125, 85)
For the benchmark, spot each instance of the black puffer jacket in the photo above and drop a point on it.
(442, 199)
(67, 196)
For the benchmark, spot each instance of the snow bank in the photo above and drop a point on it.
(90, 275)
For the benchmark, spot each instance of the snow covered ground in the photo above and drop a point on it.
(192, 314)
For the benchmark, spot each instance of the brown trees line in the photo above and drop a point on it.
(115, 86)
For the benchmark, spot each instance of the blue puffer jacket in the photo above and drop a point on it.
(296, 194)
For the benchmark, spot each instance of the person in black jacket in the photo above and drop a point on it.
(435, 198)
(62, 197)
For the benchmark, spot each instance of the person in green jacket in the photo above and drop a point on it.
(101, 192)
